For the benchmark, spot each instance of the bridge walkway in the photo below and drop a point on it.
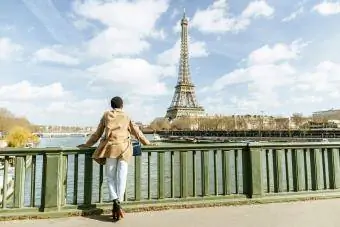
(311, 213)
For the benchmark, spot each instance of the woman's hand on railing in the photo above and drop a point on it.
(82, 146)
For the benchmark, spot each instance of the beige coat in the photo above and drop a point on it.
(117, 128)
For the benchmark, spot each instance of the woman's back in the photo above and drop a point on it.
(117, 125)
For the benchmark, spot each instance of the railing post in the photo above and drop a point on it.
(278, 173)
(334, 168)
(19, 182)
(160, 174)
(226, 172)
(53, 182)
(183, 174)
(298, 174)
(88, 171)
(138, 181)
(205, 172)
(316, 168)
(252, 171)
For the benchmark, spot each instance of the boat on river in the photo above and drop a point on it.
(3, 144)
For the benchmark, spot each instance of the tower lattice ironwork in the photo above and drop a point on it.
(184, 101)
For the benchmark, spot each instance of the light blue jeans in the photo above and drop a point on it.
(116, 174)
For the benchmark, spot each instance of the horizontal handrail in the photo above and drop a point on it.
(173, 147)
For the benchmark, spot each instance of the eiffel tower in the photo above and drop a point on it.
(184, 101)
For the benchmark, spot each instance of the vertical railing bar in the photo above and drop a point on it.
(138, 165)
(5, 182)
(306, 167)
(19, 185)
(316, 167)
(205, 172)
(333, 168)
(215, 173)
(287, 170)
(64, 181)
(277, 169)
(125, 195)
(101, 181)
(226, 173)
(184, 174)
(172, 184)
(297, 169)
(236, 171)
(33, 179)
(149, 175)
(194, 173)
(75, 179)
(88, 178)
(160, 173)
(323, 158)
(268, 171)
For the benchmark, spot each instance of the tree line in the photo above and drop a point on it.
(8, 121)
(16, 131)
(237, 122)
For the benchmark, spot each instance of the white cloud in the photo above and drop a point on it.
(9, 50)
(296, 13)
(257, 9)
(132, 75)
(177, 27)
(326, 8)
(323, 79)
(116, 42)
(279, 52)
(74, 106)
(25, 91)
(52, 55)
(129, 25)
(261, 77)
(217, 18)
(72, 112)
(171, 56)
(82, 24)
(174, 13)
(270, 83)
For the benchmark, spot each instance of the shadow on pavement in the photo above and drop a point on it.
(102, 218)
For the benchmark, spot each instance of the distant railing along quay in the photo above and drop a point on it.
(305, 133)
(63, 178)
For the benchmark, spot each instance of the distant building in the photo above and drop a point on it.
(332, 114)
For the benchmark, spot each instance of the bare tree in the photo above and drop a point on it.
(297, 119)
(160, 124)
(282, 123)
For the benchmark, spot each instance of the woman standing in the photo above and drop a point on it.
(115, 150)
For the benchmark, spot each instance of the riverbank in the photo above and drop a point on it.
(211, 139)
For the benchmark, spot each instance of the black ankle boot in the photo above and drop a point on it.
(117, 212)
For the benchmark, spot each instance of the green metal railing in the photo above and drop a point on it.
(59, 178)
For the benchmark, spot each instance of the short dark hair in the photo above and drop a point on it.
(116, 102)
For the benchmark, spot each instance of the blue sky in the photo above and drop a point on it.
(61, 60)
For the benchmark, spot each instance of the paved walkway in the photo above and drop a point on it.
(311, 214)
